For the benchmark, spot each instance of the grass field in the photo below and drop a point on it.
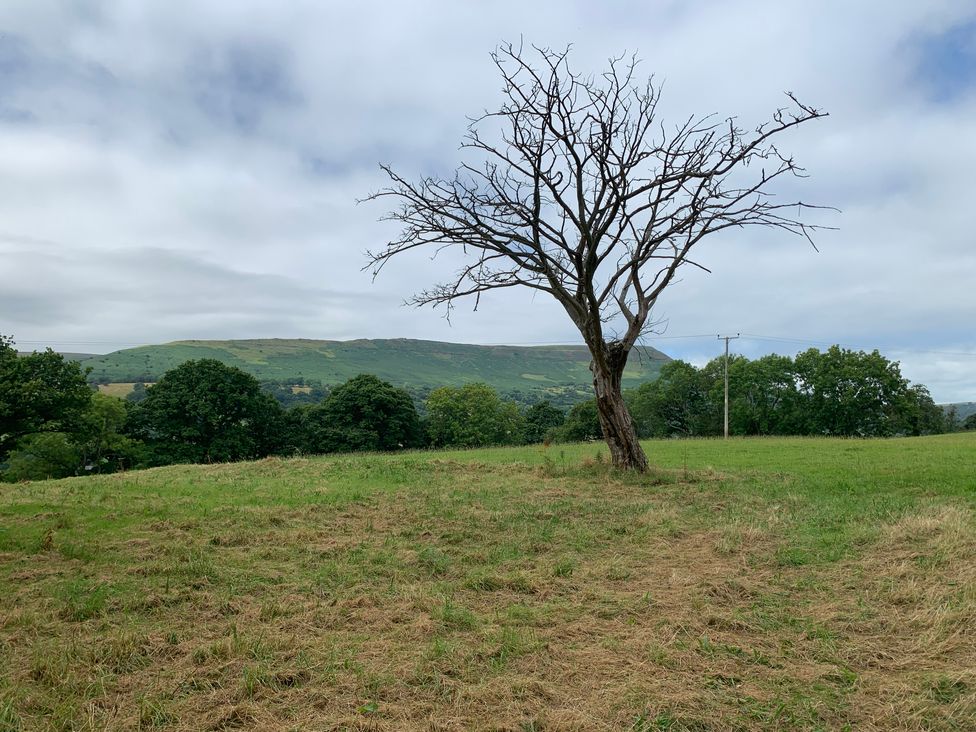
(120, 389)
(754, 584)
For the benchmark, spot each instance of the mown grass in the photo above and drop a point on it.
(749, 584)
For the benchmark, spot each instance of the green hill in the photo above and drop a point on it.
(557, 372)
(69, 356)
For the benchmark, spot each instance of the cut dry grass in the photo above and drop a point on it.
(734, 588)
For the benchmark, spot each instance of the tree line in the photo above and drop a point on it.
(836, 392)
(52, 424)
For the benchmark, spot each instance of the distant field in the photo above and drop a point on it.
(557, 372)
(754, 584)
(120, 390)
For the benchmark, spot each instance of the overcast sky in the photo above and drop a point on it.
(174, 170)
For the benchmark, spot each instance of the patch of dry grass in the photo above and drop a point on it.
(120, 389)
(423, 593)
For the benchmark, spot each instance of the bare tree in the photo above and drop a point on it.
(577, 190)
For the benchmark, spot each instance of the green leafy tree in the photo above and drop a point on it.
(970, 422)
(852, 393)
(365, 413)
(470, 416)
(541, 419)
(205, 411)
(916, 413)
(763, 397)
(40, 392)
(101, 438)
(296, 428)
(290, 395)
(582, 423)
(43, 455)
(138, 393)
(676, 403)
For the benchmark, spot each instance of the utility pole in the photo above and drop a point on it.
(727, 339)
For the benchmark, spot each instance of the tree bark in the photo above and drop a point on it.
(607, 367)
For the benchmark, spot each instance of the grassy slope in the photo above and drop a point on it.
(419, 363)
(749, 584)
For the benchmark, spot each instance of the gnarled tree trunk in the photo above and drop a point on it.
(607, 367)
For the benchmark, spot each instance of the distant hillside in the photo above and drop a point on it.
(559, 372)
(963, 409)
(67, 355)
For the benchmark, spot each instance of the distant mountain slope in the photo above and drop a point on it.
(67, 355)
(412, 363)
(963, 409)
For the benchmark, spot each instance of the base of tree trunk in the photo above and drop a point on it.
(626, 452)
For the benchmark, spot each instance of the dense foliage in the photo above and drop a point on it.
(582, 423)
(204, 411)
(470, 416)
(289, 395)
(541, 420)
(365, 413)
(41, 392)
(51, 423)
(833, 392)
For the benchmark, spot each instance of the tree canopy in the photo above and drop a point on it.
(471, 416)
(833, 392)
(541, 419)
(364, 413)
(39, 392)
(205, 411)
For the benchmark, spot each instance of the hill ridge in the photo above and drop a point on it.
(559, 372)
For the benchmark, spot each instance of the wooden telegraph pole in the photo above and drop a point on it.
(727, 339)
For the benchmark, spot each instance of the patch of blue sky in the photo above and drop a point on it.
(32, 83)
(946, 63)
(236, 85)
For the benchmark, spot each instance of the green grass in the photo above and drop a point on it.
(748, 584)
(559, 372)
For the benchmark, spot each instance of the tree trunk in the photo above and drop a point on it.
(618, 429)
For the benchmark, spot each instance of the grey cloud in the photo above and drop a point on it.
(190, 169)
(239, 83)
